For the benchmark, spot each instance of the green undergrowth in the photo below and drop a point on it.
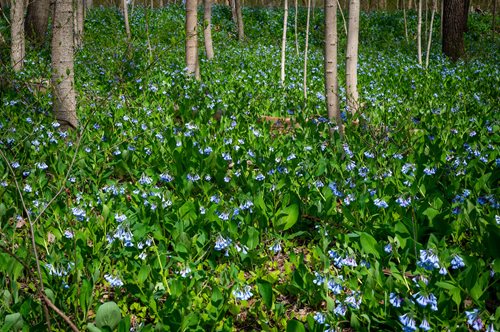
(182, 210)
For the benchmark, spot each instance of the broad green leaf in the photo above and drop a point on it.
(108, 314)
(13, 322)
(266, 291)
(287, 217)
(369, 244)
(295, 326)
(431, 213)
(143, 273)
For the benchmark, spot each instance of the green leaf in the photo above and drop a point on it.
(496, 265)
(266, 291)
(251, 238)
(295, 326)
(430, 213)
(143, 273)
(13, 322)
(108, 314)
(92, 328)
(287, 217)
(369, 244)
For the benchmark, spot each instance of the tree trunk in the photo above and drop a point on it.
(331, 79)
(63, 80)
(453, 32)
(466, 14)
(207, 30)
(419, 32)
(239, 16)
(295, 27)
(125, 17)
(306, 48)
(493, 20)
(78, 35)
(233, 11)
(37, 20)
(351, 72)
(191, 37)
(429, 40)
(405, 20)
(88, 5)
(283, 43)
(17, 50)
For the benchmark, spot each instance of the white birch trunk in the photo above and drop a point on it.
(306, 48)
(207, 29)
(295, 28)
(125, 17)
(429, 40)
(331, 79)
(191, 38)
(283, 43)
(351, 71)
(63, 80)
(419, 32)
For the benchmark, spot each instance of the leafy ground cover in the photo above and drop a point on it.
(171, 218)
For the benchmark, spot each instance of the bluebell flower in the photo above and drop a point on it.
(425, 326)
(114, 281)
(334, 287)
(79, 213)
(334, 189)
(165, 177)
(443, 271)
(430, 171)
(403, 202)
(395, 300)
(388, 248)
(221, 243)
(42, 166)
(340, 309)
(243, 294)
(490, 328)
(472, 316)
(457, 262)
(319, 317)
(428, 260)
(408, 323)
(260, 177)
(120, 217)
(145, 180)
(68, 234)
(275, 248)
(380, 203)
(353, 300)
(318, 279)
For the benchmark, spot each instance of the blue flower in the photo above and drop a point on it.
(79, 213)
(243, 294)
(395, 300)
(428, 260)
(425, 325)
(222, 243)
(334, 287)
(260, 177)
(340, 310)
(334, 189)
(408, 323)
(457, 262)
(320, 318)
(380, 203)
(472, 316)
(114, 281)
(388, 248)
